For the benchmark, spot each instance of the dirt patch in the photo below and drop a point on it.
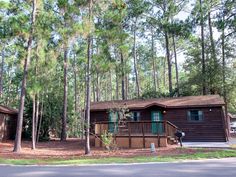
(75, 148)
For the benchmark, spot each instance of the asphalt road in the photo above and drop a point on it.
(206, 168)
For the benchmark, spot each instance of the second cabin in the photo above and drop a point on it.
(138, 123)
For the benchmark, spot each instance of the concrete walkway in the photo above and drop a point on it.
(207, 144)
(231, 142)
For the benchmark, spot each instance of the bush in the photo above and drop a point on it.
(107, 139)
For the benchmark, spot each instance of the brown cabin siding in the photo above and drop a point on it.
(7, 126)
(212, 128)
(98, 116)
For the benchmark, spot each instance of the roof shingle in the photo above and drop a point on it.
(7, 110)
(177, 102)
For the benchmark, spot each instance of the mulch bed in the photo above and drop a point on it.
(74, 148)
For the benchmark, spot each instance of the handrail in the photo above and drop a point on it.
(163, 122)
(135, 122)
(174, 126)
(142, 129)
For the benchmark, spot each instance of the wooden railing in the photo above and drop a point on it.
(171, 129)
(139, 128)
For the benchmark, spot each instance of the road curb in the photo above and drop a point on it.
(123, 164)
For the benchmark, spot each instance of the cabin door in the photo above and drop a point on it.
(113, 122)
(157, 127)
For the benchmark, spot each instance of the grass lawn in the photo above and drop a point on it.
(108, 160)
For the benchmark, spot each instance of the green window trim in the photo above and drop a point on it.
(113, 124)
(157, 127)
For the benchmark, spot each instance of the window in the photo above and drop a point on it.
(195, 116)
(113, 122)
(8, 121)
(113, 116)
(136, 116)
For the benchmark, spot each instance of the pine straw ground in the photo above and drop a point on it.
(74, 148)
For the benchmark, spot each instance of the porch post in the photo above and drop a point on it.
(143, 135)
(129, 134)
(100, 132)
(165, 127)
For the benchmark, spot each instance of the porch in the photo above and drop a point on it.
(137, 134)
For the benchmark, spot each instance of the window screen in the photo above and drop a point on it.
(195, 115)
(136, 116)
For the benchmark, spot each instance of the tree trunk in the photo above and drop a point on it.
(204, 91)
(82, 125)
(36, 99)
(110, 80)
(9, 85)
(223, 59)
(33, 124)
(106, 86)
(40, 121)
(17, 145)
(176, 66)
(93, 80)
(97, 75)
(213, 50)
(88, 91)
(126, 86)
(224, 77)
(97, 88)
(164, 73)
(154, 62)
(214, 75)
(76, 101)
(64, 116)
(75, 86)
(2, 72)
(135, 62)
(117, 85)
(36, 115)
(122, 76)
(168, 62)
(93, 90)
(76, 96)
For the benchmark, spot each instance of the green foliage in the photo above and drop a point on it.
(107, 140)
(153, 94)
(65, 24)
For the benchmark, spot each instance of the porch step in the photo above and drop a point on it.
(122, 126)
(123, 130)
(171, 140)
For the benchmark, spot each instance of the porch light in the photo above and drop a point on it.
(164, 112)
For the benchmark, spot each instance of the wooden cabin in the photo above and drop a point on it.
(232, 117)
(8, 121)
(232, 120)
(202, 118)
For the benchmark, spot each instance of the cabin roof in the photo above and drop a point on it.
(176, 102)
(232, 116)
(7, 110)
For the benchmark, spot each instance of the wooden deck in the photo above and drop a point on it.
(139, 134)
